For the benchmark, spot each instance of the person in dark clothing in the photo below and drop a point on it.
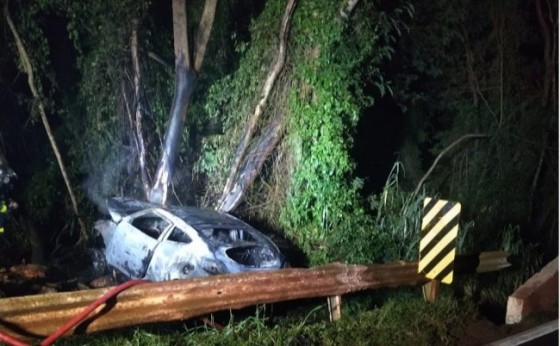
(3, 212)
(6, 204)
(5, 207)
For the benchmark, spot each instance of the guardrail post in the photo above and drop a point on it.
(431, 290)
(335, 311)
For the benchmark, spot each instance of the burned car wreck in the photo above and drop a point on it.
(154, 242)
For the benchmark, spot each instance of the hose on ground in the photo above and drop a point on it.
(76, 319)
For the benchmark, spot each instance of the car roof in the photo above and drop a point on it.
(199, 218)
(206, 218)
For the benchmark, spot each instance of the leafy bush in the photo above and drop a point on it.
(308, 187)
(335, 62)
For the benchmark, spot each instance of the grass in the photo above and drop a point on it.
(404, 319)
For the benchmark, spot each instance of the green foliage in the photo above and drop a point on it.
(40, 192)
(466, 70)
(40, 188)
(29, 18)
(309, 189)
(233, 98)
(99, 120)
(398, 217)
(336, 61)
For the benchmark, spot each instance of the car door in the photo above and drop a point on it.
(173, 258)
(180, 254)
(135, 241)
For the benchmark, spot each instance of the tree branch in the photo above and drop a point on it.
(476, 87)
(471, 75)
(180, 37)
(138, 113)
(203, 34)
(254, 162)
(24, 58)
(157, 58)
(445, 151)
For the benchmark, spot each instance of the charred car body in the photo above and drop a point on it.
(153, 242)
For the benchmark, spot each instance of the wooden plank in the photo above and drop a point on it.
(40, 315)
(539, 293)
(431, 290)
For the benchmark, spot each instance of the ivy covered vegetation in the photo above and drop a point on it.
(448, 68)
(309, 188)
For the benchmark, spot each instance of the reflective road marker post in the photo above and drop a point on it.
(440, 226)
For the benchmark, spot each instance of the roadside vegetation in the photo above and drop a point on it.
(448, 68)
(405, 319)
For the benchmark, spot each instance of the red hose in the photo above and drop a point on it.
(11, 341)
(76, 319)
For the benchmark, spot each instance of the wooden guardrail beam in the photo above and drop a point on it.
(38, 316)
(538, 293)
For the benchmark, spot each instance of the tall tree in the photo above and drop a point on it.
(185, 79)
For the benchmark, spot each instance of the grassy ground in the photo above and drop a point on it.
(368, 319)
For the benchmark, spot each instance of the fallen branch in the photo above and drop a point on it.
(445, 151)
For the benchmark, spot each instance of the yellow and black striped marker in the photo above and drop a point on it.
(440, 226)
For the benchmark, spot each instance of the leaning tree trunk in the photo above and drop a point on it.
(254, 162)
(238, 181)
(185, 80)
(247, 164)
(30, 79)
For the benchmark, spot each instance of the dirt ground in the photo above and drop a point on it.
(484, 331)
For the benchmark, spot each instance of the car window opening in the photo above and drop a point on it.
(179, 236)
(151, 225)
(224, 236)
(251, 255)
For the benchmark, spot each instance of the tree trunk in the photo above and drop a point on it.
(253, 163)
(237, 183)
(185, 80)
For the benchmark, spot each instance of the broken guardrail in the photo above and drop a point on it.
(37, 316)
